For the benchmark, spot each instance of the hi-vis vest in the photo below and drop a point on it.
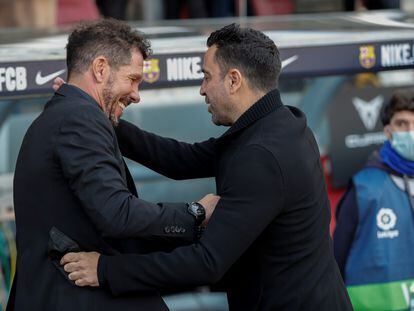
(380, 268)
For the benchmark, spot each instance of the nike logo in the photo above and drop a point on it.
(288, 61)
(40, 80)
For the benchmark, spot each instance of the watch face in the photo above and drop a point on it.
(197, 210)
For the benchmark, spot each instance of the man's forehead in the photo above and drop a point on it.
(209, 59)
(403, 115)
(211, 51)
(137, 63)
(132, 68)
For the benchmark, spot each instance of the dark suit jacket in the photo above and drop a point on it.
(270, 230)
(70, 174)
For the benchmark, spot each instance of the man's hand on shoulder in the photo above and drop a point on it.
(57, 83)
(82, 268)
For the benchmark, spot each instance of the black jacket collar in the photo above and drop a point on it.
(68, 90)
(265, 105)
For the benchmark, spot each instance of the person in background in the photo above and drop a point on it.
(349, 5)
(115, 9)
(222, 8)
(28, 13)
(381, 4)
(176, 9)
(374, 236)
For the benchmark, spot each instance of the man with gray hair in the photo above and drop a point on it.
(72, 190)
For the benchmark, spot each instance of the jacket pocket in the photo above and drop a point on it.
(60, 244)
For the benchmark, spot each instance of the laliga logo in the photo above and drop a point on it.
(368, 110)
(386, 219)
(151, 70)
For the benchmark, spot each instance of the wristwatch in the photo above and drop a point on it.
(197, 210)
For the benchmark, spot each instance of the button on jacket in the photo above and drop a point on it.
(70, 175)
(269, 234)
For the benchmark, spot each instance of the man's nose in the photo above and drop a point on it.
(135, 97)
(202, 92)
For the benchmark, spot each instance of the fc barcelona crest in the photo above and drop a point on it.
(151, 70)
(367, 56)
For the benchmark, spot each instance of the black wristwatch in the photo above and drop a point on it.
(197, 210)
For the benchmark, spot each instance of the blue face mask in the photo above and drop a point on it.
(403, 144)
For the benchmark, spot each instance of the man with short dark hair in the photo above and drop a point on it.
(374, 235)
(72, 190)
(270, 231)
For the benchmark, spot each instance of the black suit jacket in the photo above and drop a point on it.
(270, 230)
(70, 174)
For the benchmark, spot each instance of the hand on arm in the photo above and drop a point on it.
(249, 202)
(82, 267)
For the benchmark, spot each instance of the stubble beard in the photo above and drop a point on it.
(215, 118)
(110, 102)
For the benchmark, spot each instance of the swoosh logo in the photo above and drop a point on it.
(290, 60)
(40, 80)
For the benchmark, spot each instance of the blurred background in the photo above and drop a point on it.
(335, 52)
(49, 13)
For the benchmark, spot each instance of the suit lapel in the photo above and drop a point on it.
(70, 90)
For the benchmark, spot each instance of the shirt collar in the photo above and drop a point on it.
(265, 105)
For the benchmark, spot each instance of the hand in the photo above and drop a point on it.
(82, 268)
(57, 83)
(209, 203)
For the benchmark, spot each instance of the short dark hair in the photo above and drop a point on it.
(108, 37)
(400, 100)
(250, 51)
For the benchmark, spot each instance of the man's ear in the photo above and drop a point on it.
(388, 131)
(235, 80)
(100, 69)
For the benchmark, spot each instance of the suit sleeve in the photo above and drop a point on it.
(251, 200)
(85, 148)
(169, 157)
(346, 225)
